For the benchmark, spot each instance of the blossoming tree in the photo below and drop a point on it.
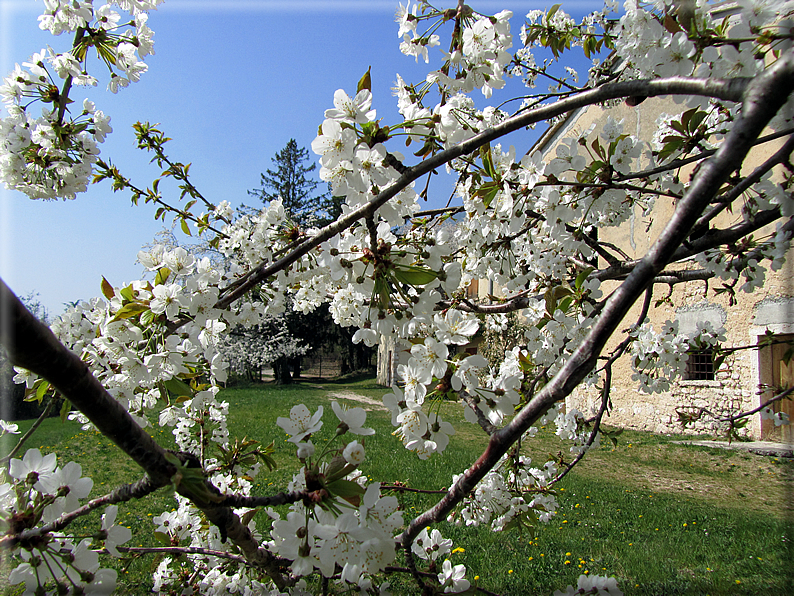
(525, 224)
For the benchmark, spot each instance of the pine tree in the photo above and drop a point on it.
(290, 182)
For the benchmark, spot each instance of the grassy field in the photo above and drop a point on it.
(663, 518)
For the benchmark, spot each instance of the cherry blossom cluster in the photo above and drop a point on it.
(52, 156)
(35, 490)
(659, 359)
(502, 500)
(353, 527)
(703, 44)
(251, 349)
(124, 339)
(598, 585)
(477, 62)
(779, 418)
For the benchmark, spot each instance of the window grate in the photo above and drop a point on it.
(700, 365)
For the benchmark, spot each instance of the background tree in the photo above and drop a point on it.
(290, 182)
(268, 344)
(321, 334)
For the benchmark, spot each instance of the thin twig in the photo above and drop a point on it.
(44, 415)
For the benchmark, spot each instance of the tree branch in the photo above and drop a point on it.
(729, 90)
(127, 492)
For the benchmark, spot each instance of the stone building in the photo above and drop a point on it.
(739, 383)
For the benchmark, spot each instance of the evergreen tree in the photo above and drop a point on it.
(290, 181)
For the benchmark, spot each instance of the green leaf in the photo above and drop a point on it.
(553, 295)
(346, 489)
(380, 294)
(163, 273)
(178, 388)
(162, 538)
(147, 318)
(334, 467)
(130, 310)
(582, 277)
(696, 120)
(185, 227)
(267, 460)
(194, 486)
(565, 304)
(670, 146)
(127, 293)
(66, 407)
(686, 117)
(365, 82)
(248, 516)
(413, 275)
(487, 160)
(41, 390)
(107, 289)
(337, 469)
(487, 191)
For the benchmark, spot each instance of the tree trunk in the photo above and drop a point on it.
(281, 372)
(296, 367)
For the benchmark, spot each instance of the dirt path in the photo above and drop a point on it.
(349, 395)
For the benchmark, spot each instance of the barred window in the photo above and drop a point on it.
(700, 365)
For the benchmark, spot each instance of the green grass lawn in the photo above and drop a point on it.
(663, 518)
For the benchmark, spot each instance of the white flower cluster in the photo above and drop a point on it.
(52, 156)
(598, 585)
(124, 340)
(648, 50)
(510, 492)
(250, 349)
(779, 418)
(36, 489)
(527, 226)
(658, 359)
(360, 542)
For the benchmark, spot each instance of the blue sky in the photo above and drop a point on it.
(231, 83)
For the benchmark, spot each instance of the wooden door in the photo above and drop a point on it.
(783, 376)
